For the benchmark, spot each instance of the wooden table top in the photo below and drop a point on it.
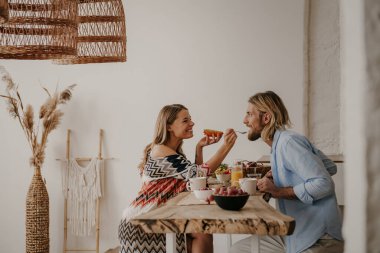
(256, 217)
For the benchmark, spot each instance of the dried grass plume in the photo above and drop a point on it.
(49, 114)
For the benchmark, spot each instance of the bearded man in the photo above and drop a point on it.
(300, 179)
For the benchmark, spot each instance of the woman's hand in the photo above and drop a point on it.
(229, 140)
(229, 137)
(208, 140)
(205, 141)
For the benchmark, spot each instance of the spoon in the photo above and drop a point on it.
(241, 132)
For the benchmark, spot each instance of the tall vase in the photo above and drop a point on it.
(37, 215)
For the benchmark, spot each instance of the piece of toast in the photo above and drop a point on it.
(211, 132)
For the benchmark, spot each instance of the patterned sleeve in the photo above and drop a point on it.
(175, 166)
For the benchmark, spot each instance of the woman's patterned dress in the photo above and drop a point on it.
(163, 178)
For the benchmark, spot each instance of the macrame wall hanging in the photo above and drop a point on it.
(82, 188)
(39, 29)
(101, 33)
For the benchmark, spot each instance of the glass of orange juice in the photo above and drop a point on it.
(236, 173)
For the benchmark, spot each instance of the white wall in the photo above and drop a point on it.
(354, 78)
(324, 112)
(209, 55)
(324, 76)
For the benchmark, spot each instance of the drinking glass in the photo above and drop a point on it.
(236, 173)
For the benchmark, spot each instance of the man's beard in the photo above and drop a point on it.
(252, 136)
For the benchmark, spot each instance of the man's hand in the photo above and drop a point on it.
(266, 184)
(269, 175)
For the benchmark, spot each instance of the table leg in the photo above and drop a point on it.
(229, 241)
(171, 243)
(255, 244)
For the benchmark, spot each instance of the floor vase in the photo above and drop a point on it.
(37, 215)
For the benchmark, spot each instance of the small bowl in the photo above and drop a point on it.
(223, 177)
(215, 186)
(234, 202)
(203, 194)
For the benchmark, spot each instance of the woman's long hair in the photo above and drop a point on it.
(270, 102)
(166, 117)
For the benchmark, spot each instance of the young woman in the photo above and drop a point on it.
(165, 170)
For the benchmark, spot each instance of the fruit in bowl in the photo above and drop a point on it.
(222, 178)
(223, 173)
(230, 198)
(222, 169)
(204, 194)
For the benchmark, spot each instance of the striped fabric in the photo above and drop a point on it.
(163, 179)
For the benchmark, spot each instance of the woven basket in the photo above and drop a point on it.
(37, 216)
(101, 33)
(39, 29)
(4, 12)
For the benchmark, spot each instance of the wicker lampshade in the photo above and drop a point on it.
(4, 13)
(39, 29)
(101, 33)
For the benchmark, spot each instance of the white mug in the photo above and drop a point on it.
(196, 183)
(248, 185)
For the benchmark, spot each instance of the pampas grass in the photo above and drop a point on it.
(49, 115)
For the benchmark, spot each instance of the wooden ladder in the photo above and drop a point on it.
(97, 214)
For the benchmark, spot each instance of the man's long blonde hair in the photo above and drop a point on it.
(270, 102)
(166, 117)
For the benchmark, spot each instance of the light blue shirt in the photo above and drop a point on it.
(299, 164)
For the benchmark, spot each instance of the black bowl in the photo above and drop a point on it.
(234, 202)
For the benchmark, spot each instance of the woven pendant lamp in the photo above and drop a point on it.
(101, 33)
(39, 29)
(4, 14)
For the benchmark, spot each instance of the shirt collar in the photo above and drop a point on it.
(275, 139)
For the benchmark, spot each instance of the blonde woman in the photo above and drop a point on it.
(165, 170)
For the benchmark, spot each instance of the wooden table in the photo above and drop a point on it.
(256, 217)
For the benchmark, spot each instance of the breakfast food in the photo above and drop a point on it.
(210, 133)
(205, 194)
(222, 169)
(230, 198)
(229, 191)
